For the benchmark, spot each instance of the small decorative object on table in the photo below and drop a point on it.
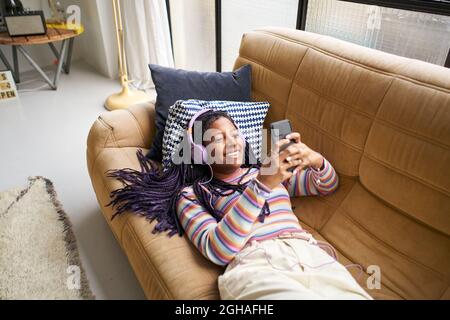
(8, 89)
(59, 15)
(26, 23)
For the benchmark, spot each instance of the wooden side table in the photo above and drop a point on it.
(64, 56)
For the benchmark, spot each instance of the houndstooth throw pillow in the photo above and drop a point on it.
(248, 116)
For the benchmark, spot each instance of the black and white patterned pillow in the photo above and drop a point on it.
(249, 117)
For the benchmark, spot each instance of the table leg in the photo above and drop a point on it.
(6, 62)
(36, 67)
(16, 70)
(61, 57)
(69, 56)
(60, 64)
(55, 52)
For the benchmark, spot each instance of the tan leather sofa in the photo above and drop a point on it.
(384, 123)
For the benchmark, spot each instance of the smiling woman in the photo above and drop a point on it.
(223, 142)
(230, 209)
(238, 213)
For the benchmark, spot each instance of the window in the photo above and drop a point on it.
(411, 34)
(207, 33)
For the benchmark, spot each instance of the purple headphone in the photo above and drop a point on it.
(198, 151)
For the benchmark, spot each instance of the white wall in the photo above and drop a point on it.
(97, 45)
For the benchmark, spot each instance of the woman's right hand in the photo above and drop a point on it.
(274, 168)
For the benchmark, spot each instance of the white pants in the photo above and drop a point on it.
(287, 269)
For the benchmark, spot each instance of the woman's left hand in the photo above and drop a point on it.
(308, 157)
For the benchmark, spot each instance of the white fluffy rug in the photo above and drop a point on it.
(38, 253)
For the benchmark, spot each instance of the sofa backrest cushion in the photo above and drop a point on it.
(330, 89)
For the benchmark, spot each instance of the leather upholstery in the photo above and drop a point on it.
(382, 121)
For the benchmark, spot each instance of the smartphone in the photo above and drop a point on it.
(279, 130)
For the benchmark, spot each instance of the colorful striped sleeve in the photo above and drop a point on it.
(221, 241)
(313, 182)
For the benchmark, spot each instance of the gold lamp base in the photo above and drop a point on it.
(126, 98)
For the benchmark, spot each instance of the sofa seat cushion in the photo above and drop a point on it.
(384, 293)
(413, 258)
(317, 210)
(314, 213)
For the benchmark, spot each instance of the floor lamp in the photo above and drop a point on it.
(126, 97)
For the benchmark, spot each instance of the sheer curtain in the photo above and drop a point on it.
(147, 38)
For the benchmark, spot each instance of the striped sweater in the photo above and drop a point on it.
(221, 241)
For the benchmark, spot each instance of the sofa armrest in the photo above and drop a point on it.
(132, 127)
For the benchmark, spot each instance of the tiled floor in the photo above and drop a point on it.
(44, 133)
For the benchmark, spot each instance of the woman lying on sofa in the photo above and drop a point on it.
(239, 216)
